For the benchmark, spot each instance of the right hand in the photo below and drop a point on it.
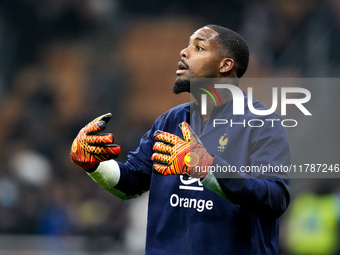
(89, 147)
(175, 156)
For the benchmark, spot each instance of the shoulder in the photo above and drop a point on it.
(263, 120)
(259, 110)
(177, 111)
(173, 116)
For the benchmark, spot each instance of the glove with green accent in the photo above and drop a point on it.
(89, 147)
(174, 156)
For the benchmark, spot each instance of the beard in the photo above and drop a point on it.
(181, 86)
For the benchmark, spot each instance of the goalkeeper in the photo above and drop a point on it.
(193, 211)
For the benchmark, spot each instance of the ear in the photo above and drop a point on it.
(226, 65)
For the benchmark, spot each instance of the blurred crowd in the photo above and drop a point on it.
(65, 62)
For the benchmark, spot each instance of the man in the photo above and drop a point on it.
(193, 209)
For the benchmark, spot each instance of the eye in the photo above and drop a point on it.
(198, 48)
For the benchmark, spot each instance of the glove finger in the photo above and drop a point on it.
(161, 158)
(94, 158)
(188, 134)
(105, 157)
(99, 139)
(160, 169)
(98, 124)
(162, 147)
(112, 149)
(166, 137)
(166, 169)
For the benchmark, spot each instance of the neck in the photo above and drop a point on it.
(224, 94)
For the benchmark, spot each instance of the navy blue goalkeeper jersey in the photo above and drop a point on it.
(234, 210)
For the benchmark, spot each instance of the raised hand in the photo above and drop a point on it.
(91, 147)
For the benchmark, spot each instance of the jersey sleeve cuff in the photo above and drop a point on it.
(211, 183)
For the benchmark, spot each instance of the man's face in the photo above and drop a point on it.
(201, 59)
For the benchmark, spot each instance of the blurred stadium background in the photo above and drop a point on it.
(65, 62)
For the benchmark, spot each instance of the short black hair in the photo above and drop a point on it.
(233, 46)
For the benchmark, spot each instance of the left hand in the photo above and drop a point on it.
(91, 147)
(174, 156)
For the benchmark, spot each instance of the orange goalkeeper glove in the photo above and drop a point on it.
(89, 148)
(176, 156)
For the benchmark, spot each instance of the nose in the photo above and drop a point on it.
(184, 53)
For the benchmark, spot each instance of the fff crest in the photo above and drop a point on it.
(222, 142)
